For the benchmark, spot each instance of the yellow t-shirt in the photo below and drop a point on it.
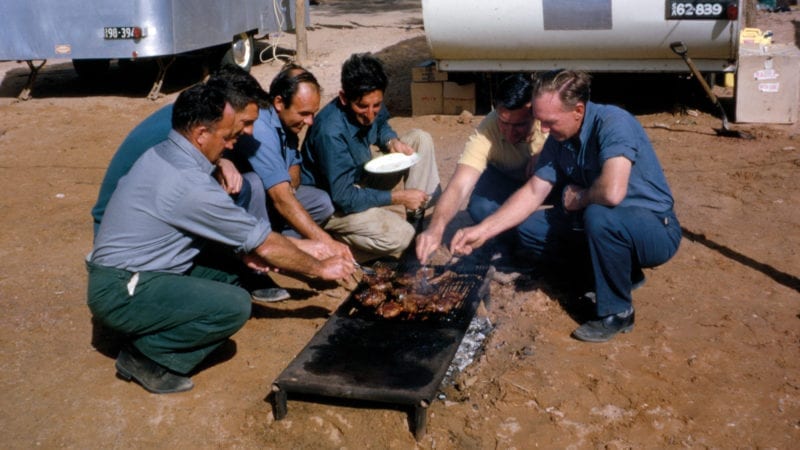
(487, 145)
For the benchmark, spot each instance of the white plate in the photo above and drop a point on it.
(393, 162)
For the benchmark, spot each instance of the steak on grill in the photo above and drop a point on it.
(414, 295)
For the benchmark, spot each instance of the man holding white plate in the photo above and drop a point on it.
(336, 153)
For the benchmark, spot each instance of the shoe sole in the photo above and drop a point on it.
(272, 295)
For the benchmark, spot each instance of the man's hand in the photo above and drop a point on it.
(336, 268)
(228, 176)
(323, 248)
(574, 197)
(412, 199)
(427, 242)
(467, 239)
(397, 146)
(336, 248)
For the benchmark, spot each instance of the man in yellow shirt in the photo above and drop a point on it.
(496, 161)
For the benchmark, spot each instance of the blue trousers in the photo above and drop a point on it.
(620, 241)
(314, 200)
(490, 192)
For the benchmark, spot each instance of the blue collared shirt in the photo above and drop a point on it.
(165, 209)
(271, 150)
(335, 151)
(148, 133)
(607, 132)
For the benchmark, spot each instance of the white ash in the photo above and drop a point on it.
(470, 348)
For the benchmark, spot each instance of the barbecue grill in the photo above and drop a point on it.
(362, 356)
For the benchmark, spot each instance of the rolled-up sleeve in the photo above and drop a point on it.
(547, 165)
(264, 151)
(617, 136)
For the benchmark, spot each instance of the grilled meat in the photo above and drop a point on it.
(371, 297)
(389, 310)
(412, 295)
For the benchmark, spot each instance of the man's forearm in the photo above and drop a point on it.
(290, 208)
(280, 252)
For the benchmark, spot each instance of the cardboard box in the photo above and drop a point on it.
(768, 84)
(427, 71)
(426, 98)
(457, 98)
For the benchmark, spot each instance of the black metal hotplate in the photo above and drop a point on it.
(365, 357)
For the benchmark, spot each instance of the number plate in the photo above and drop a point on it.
(119, 33)
(697, 10)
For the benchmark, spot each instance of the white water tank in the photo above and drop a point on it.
(592, 35)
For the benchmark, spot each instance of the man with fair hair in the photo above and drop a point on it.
(615, 200)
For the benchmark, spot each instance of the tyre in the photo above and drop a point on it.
(241, 52)
(91, 69)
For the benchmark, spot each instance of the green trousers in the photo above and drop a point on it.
(175, 320)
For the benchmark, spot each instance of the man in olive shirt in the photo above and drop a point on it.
(145, 278)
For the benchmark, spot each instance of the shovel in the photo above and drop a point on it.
(680, 49)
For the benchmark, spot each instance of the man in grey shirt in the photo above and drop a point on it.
(145, 278)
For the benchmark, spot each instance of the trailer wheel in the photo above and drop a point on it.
(91, 69)
(241, 52)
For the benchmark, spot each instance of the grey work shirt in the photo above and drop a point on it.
(166, 208)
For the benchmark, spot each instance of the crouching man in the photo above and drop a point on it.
(148, 277)
(615, 201)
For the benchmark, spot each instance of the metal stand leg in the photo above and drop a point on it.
(26, 91)
(420, 420)
(155, 91)
(279, 402)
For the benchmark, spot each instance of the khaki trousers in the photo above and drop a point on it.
(381, 231)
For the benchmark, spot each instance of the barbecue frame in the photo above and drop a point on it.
(418, 354)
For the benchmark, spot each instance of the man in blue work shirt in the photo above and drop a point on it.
(147, 279)
(336, 149)
(272, 153)
(245, 95)
(616, 199)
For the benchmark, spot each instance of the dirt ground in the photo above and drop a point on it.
(714, 361)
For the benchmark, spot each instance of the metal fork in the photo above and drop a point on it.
(366, 270)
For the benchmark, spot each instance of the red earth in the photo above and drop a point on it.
(714, 361)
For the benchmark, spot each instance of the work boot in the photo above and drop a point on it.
(132, 364)
(605, 328)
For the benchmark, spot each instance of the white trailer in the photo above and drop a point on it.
(591, 35)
